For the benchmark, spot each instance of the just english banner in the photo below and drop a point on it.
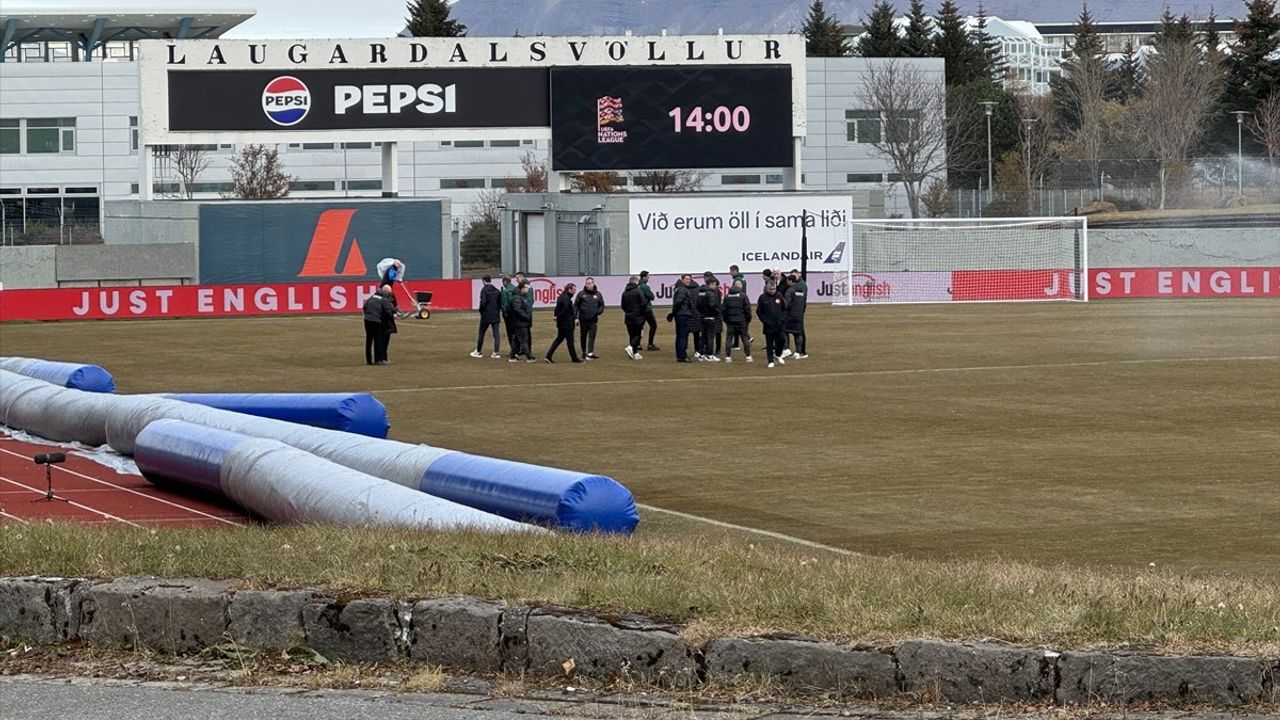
(280, 242)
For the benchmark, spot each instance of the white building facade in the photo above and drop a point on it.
(69, 138)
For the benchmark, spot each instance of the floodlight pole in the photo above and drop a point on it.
(1028, 122)
(1239, 151)
(987, 106)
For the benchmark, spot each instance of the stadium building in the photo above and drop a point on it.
(69, 135)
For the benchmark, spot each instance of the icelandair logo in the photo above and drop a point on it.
(836, 255)
(327, 243)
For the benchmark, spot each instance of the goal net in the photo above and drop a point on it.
(968, 260)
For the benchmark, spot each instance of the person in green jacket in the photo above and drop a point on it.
(649, 319)
(737, 276)
(504, 301)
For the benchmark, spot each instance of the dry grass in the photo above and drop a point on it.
(717, 583)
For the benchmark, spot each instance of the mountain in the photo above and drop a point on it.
(611, 17)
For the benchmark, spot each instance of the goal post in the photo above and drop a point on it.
(964, 260)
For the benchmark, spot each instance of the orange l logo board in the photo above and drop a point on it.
(326, 247)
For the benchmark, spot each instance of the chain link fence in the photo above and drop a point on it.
(50, 220)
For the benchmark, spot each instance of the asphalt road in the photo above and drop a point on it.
(25, 697)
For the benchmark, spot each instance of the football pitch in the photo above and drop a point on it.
(1112, 434)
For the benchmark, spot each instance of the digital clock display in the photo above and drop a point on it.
(670, 118)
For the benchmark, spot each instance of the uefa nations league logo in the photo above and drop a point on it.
(608, 117)
(286, 100)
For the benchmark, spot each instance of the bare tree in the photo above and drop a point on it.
(913, 123)
(1085, 96)
(1176, 102)
(669, 181)
(1264, 125)
(937, 199)
(258, 174)
(482, 242)
(595, 182)
(1035, 134)
(189, 161)
(535, 175)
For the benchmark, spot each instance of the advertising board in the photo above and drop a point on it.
(674, 234)
(609, 118)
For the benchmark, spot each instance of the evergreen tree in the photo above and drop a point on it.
(1086, 42)
(1253, 72)
(990, 55)
(823, 34)
(1209, 36)
(1173, 29)
(1084, 76)
(430, 18)
(880, 38)
(917, 42)
(1127, 81)
(954, 44)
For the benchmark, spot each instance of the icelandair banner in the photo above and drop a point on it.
(186, 301)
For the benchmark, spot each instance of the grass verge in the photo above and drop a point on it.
(715, 583)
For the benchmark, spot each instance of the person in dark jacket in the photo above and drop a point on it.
(388, 326)
(686, 316)
(709, 315)
(649, 316)
(504, 302)
(519, 320)
(636, 308)
(490, 306)
(589, 305)
(772, 311)
(565, 318)
(736, 311)
(735, 275)
(374, 307)
(797, 300)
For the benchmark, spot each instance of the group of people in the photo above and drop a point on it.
(703, 311)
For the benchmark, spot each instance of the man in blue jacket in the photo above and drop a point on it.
(490, 306)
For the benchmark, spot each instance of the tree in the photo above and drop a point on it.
(188, 161)
(430, 18)
(1015, 190)
(1254, 68)
(990, 58)
(823, 34)
(954, 44)
(913, 114)
(917, 42)
(481, 245)
(938, 200)
(596, 182)
(1211, 41)
(1081, 93)
(258, 174)
(1174, 109)
(881, 37)
(535, 175)
(1264, 125)
(1126, 82)
(669, 181)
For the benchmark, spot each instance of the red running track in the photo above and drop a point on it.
(92, 493)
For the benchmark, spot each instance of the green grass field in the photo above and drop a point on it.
(1109, 434)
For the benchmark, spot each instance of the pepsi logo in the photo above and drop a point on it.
(286, 100)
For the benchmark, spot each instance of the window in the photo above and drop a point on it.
(362, 185)
(82, 190)
(899, 129)
(461, 183)
(133, 133)
(10, 137)
(739, 179)
(862, 178)
(311, 185)
(51, 135)
(468, 143)
(894, 177)
(317, 146)
(862, 126)
(357, 146)
(773, 179)
(504, 143)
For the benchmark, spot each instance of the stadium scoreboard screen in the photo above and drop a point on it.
(670, 118)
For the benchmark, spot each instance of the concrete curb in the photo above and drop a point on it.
(187, 615)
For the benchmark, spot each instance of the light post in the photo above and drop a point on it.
(1239, 151)
(1028, 122)
(987, 107)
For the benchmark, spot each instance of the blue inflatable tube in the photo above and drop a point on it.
(185, 453)
(76, 376)
(358, 413)
(533, 493)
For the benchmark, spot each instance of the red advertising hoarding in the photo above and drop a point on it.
(184, 301)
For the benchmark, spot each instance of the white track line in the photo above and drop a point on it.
(134, 492)
(852, 373)
(754, 531)
(12, 517)
(73, 503)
